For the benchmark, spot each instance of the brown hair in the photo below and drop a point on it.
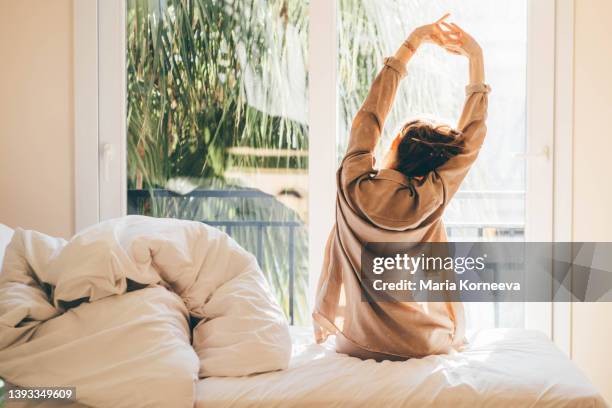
(425, 146)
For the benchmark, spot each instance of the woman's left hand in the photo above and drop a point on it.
(436, 33)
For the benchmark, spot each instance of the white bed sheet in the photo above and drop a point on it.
(501, 367)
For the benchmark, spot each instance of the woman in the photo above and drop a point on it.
(403, 201)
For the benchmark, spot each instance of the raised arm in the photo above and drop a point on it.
(370, 119)
(472, 121)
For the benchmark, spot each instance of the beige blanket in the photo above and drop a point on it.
(109, 311)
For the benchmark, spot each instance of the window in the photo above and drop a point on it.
(236, 113)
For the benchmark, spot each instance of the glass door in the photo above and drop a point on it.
(232, 113)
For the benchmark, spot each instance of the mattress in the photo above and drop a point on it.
(501, 367)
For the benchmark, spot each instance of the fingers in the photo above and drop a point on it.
(444, 17)
(455, 48)
(453, 32)
(437, 30)
(451, 28)
(446, 37)
(436, 39)
(456, 27)
(453, 51)
(449, 36)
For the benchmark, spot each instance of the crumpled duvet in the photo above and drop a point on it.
(133, 310)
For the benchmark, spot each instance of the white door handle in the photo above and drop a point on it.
(544, 153)
(108, 152)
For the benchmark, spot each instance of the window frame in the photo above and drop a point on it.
(100, 128)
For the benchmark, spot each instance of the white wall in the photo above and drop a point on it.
(592, 323)
(36, 137)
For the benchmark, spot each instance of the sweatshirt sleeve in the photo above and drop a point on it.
(369, 121)
(473, 130)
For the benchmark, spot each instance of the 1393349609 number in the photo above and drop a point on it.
(41, 393)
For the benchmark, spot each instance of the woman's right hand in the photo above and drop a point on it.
(466, 44)
(468, 47)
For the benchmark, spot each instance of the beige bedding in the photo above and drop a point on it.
(108, 312)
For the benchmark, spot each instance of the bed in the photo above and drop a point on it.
(502, 367)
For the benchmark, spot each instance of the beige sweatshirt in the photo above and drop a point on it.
(386, 206)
